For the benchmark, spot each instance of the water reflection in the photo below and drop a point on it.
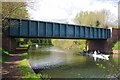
(57, 63)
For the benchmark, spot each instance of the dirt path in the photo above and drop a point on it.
(10, 67)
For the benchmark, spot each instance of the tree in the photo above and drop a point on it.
(97, 23)
(14, 10)
(97, 18)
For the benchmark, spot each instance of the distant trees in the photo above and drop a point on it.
(73, 44)
(97, 18)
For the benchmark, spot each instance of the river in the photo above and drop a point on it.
(57, 63)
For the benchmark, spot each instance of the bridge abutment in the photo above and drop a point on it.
(105, 45)
(101, 45)
(9, 44)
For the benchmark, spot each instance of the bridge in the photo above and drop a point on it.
(21, 28)
(40, 29)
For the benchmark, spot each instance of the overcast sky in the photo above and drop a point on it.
(66, 10)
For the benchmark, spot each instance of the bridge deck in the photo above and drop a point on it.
(41, 29)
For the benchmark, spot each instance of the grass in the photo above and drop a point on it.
(25, 70)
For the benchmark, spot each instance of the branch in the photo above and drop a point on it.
(12, 10)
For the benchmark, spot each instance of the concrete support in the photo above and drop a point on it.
(9, 44)
(101, 45)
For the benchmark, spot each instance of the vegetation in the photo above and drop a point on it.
(17, 10)
(4, 54)
(97, 19)
(76, 45)
(25, 42)
(14, 10)
(24, 56)
(116, 46)
(25, 70)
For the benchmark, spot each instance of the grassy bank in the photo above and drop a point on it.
(25, 69)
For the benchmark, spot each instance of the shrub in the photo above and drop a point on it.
(116, 46)
(4, 54)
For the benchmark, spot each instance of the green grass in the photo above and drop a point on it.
(25, 70)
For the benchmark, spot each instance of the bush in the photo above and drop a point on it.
(3, 51)
(24, 56)
(116, 46)
(4, 54)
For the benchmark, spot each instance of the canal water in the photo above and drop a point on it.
(57, 63)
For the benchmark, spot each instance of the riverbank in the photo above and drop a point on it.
(16, 67)
(26, 70)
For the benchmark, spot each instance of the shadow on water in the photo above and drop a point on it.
(58, 63)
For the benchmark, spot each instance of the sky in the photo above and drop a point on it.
(66, 10)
